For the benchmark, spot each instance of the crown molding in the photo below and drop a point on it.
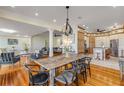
(100, 34)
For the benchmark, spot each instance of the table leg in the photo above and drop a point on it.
(52, 76)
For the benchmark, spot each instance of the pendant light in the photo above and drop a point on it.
(68, 29)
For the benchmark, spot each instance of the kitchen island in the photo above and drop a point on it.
(99, 53)
(54, 62)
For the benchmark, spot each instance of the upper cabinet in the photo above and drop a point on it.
(80, 42)
(91, 44)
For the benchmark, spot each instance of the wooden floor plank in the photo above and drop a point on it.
(101, 76)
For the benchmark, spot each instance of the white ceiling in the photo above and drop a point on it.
(21, 28)
(94, 17)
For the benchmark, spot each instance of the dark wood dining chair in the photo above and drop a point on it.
(39, 78)
(88, 59)
(83, 69)
(67, 77)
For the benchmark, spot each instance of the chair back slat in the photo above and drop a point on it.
(88, 59)
(81, 61)
(30, 73)
(11, 56)
(7, 57)
(39, 78)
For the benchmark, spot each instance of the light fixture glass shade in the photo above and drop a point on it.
(67, 29)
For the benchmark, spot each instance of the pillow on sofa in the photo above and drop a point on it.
(3, 50)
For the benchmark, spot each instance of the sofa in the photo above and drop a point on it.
(9, 58)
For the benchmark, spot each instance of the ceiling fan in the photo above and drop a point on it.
(98, 30)
(57, 35)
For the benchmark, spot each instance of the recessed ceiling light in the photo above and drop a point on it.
(26, 36)
(54, 20)
(115, 24)
(114, 6)
(83, 25)
(7, 30)
(36, 14)
(79, 17)
(64, 24)
(12, 6)
(87, 27)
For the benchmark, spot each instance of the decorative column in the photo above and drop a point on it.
(50, 42)
(76, 41)
(52, 71)
(63, 51)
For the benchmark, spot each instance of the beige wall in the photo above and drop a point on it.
(38, 41)
(121, 43)
(106, 41)
(21, 42)
(87, 40)
(57, 41)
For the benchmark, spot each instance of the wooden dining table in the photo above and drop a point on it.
(52, 63)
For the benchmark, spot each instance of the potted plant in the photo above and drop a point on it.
(26, 48)
(66, 51)
(13, 48)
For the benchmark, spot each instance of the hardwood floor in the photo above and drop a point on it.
(17, 75)
(13, 76)
(102, 76)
